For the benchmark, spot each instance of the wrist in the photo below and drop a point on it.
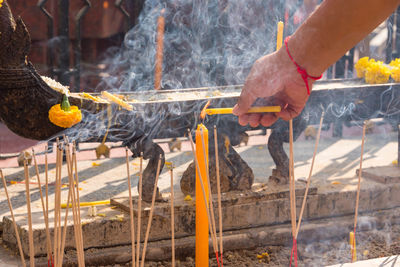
(301, 70)
(303, 56)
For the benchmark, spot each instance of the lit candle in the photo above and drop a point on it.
(201, 211)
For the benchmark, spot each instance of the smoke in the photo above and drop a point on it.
(206, 43)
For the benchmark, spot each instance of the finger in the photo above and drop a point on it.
(287, 114)
(245, 101)
(244, 119)
(254, 119)
(268, 119)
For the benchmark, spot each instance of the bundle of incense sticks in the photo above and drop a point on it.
(219, 195)
(211, 228)
(60, 232)
(44, 206)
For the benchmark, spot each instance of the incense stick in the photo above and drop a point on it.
(46, 219)
(353, 251)
(78, 204)
(213, 229)
(359, 177)
(55, 243)
(159, 52)
(219, 193)
(59, 208)
(139, 209)
(64, 234)
(151, 213)
(292, 187)
(46, 170)
(21, 252)
(28, 206)
(309, 176)
(132, 222)
(171, 171)
(74, 205)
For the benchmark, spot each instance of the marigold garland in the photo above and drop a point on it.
(65, 115)
(377, 73)
(361, 66)
(396, 74)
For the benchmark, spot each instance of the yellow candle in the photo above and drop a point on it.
(85, 204)
(353, 247)
(213, 111)
(279, 36)
(201, 212)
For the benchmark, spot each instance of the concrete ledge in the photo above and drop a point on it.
(241, 210)
(391, 261)
(311, 231)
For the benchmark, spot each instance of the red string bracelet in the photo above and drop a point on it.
(300, 70)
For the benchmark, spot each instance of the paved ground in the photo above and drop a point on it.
(336, 161)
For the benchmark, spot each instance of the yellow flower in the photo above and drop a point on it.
(188, 198)
(396, 73)
(361, 66)
(377, 73)
(395, 63)
(1, 3)
(64, 115)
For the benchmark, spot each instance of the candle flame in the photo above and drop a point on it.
(203, 111)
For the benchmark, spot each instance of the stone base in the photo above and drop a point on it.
(382, 174)
(261, 207)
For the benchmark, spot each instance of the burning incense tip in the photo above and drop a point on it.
(203, 111)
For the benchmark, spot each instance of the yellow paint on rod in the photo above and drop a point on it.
(201, 212)
(214, 111)
(279, 36)
(86, 204)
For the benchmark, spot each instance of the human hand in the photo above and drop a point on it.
(273, 80)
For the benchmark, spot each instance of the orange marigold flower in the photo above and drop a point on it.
(65, 115)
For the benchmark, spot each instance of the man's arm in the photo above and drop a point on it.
(334, 28)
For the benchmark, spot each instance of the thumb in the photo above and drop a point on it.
(245, 101)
